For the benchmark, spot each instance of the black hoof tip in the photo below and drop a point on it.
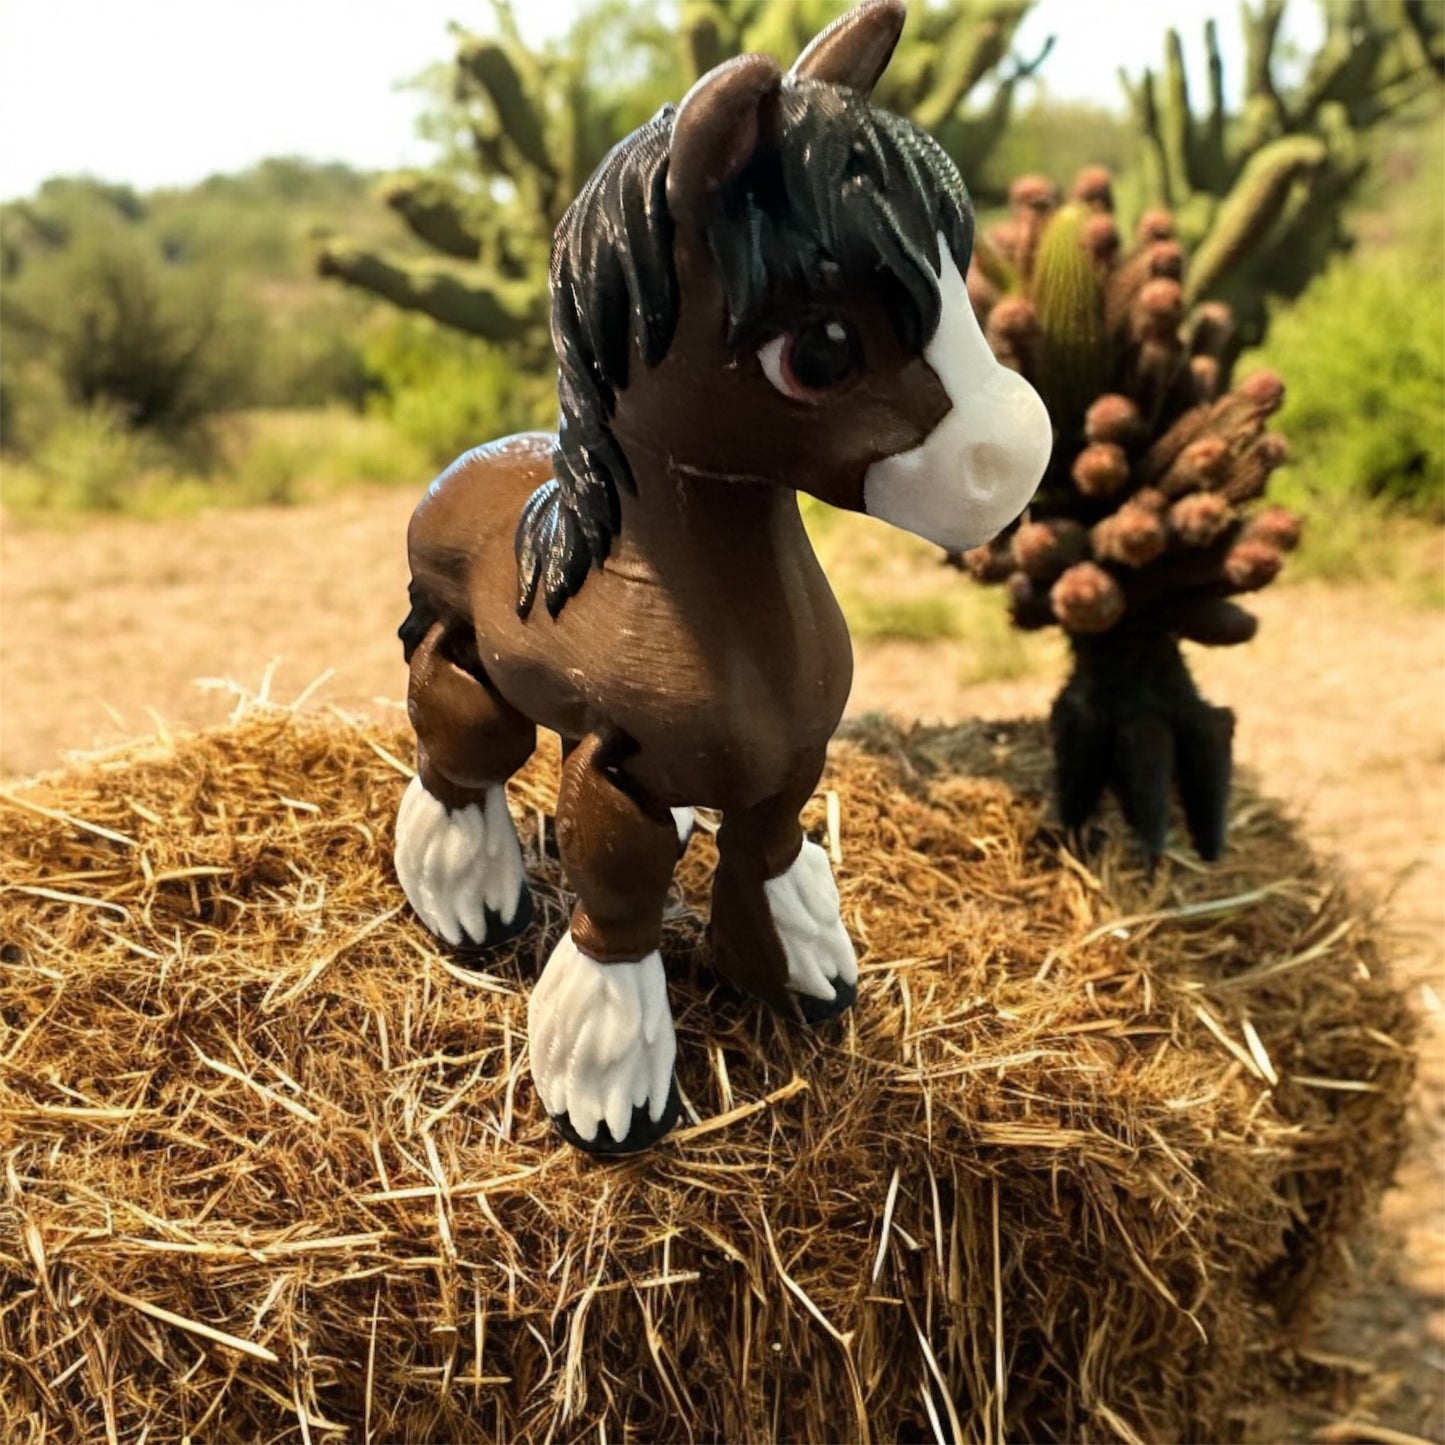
(471, 954)
(641, 1133)
(821, 1010)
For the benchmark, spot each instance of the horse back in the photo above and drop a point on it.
(465, 523)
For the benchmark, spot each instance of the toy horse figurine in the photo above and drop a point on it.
(758, 293)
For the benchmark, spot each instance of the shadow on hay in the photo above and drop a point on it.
(1067, 1172)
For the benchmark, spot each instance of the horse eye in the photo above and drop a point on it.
(816, 358)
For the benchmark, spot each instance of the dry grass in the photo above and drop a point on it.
(274, 1168)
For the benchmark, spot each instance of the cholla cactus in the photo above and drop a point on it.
(1260, 201)
(1147, 523)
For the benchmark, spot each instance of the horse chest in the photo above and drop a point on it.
(720, 720)
(718, 702)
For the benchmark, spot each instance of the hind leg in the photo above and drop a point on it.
(457, 854)
(777, 928)
(598, 1022)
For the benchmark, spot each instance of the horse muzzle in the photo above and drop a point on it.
(978, 468)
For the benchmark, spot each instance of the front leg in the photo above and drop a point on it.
(777, 931)
(598, 1022)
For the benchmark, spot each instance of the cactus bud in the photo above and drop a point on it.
(1204, 378)
(1166, 258)
(1158, 309)
(1264, 391)
(991, 563)
(1200, 518)
(1113, 418)
(1134, 536)
(1198, 468)
(1101, 238)
(1101, 470)
(1276, 527)
(1087, 599)
(1033, 193)
(1044, 549)
(1155, 225)
(1094, 186)
(1252, 564)
(1013, 324)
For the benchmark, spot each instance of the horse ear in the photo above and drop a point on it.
(855, 49)
(717, 129)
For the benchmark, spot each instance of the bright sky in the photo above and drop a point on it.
(166, 92)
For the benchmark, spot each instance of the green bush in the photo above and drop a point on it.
(446, 392)
(154, 346)
(88, 461)
(1363, 354)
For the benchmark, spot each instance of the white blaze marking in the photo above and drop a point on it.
(804, 905)
(975, 472)
(601, 1040)
(455, 863)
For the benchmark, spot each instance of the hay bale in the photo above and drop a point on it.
(273, 1164)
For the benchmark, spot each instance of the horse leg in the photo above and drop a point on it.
(599, 1025)
(777, 931)
(457, 854)
(682, 818)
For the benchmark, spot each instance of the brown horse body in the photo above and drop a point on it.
(758, 295)
(660, 648)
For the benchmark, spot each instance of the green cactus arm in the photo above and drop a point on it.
(971, 48)
(435, 212)
(1153, 159)
(1341, 71)
(702, 33)
(1213, 157)
(1264, 112)
(498, 72)
(468, 300)
(1176, 121)
(1251, 209)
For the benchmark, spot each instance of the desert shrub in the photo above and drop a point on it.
(446, 392)
(1364, 352)
(159, 348)
(88, 460)
(291, 456)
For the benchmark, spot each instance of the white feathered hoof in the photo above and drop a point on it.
(822, 966)
(603, 1050)
(461, 868)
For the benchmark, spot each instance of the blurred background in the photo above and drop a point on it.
(253, 253)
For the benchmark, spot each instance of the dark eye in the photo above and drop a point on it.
(813, 360)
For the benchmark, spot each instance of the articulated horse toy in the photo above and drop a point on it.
(759, 292)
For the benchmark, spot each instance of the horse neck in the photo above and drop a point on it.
(747, 531)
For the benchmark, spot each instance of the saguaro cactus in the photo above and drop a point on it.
(538, 122)
(1147, 524)
(945, 53)
(537, 125)
(1259, 198)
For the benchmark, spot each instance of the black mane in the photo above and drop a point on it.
(841, 193)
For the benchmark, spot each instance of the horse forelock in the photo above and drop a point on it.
(838, 193)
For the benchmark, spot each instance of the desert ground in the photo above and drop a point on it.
(113, 628)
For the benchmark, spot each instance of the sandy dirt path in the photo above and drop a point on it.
(1341, 699)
